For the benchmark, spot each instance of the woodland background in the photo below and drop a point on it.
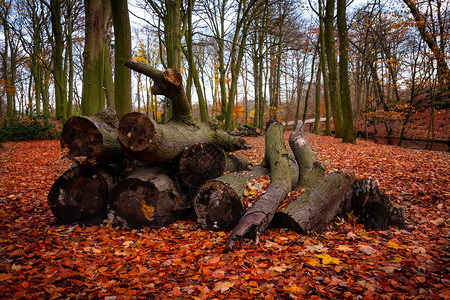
(373, 66)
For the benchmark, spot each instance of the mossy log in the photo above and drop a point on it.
(311, 171)
(81, 194)
(258, 217)
(219, 203)
(92, 139)
(143, 139)
(315, 208)
(204, 161)
(149, 197)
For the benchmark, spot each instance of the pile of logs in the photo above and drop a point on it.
(139, 173)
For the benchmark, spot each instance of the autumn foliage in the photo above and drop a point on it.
(40, 258)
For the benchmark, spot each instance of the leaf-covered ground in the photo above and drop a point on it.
(40, 259)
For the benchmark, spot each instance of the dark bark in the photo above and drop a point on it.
(147, 198)
(92, 140)
(143, 139)
(258, 217)
(205, 161)
(81, 194)
(219, 203)
(372, 207)
(314, 209)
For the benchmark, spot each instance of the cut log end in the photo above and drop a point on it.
(136, 131)
(81, 140)
(133, 203)
(79, 196)
(217, 206)
(202, 162)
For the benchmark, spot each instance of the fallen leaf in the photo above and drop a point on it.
(366, 249)
(223, 286)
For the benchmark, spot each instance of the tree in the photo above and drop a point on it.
(428, 37)
(98, 14)
(57, 58)
(344, 80)
(335, 98)
(122, 53)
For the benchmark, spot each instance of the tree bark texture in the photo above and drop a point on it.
(143, 139)
(258, 217)
(372, 207)
(314, 209)
(147, 198)
(92, 140)
(219, 203)
(81, 194)
(311, 172)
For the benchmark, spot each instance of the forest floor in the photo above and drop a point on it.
(42, 259)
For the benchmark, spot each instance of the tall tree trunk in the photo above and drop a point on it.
(108, 81)
(122, 34)
(346, 101)
(335, 98)
(57, 57)
(318, 102)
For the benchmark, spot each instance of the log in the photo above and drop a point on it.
(314, 209)
(204, 161)
(81, 194)
(311, 171)
(147, 198)
(372, 207)
(143, 139)
(92, 139)
(258, 217)
(219, 203)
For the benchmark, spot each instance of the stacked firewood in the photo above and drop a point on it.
(139, 173)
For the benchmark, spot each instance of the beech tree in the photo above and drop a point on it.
(98, 14)
(122, 53)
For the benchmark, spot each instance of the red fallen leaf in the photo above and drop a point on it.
(213, 260)
(206, 271)
(421, 279)
(24, 284)
(176, 292)
(218, 274)
(5, 276)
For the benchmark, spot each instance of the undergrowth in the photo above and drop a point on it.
(31, 128)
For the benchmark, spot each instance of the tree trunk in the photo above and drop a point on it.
(314, 209)
(147, 198)
(98, 14)
(81, 194)
(145, 140)
(204, 161)
(344, 80)
(92, 140)
(372, 207)
(258, 217)
(219, 203)
(333, 80)
(122, 53)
